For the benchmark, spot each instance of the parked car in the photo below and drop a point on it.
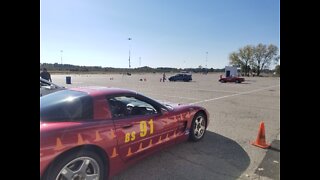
(181, 77)
(95, 132)
(232, 79)
(47, 87)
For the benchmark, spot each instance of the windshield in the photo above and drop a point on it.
(66, 105)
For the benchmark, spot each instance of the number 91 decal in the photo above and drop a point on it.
(143, 131)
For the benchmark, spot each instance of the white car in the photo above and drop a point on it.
(47, 87)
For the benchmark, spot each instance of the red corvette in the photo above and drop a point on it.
(95, 132)
(231, 79)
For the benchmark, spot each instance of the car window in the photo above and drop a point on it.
(66, 105)
(126, 106)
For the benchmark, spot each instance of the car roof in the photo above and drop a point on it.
(183, 74)
(101, 90)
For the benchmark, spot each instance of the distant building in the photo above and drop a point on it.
(231, 71)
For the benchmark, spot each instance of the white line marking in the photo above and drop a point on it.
(209, 90)
(233, 95)
(214, 90)
(172, 96)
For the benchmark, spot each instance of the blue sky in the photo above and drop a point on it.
(165, 33)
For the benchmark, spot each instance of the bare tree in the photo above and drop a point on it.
(263, 56)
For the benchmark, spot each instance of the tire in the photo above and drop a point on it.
(222, 81)
(71, 165)
(197, 131)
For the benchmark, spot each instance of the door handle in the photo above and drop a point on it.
(127, 126)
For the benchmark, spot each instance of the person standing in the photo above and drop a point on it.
(45, 75)
(164, 77)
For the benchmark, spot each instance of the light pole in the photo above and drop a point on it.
(206, 59)
(140, 61)
(61, 51)
(129, 51)
(206, 62)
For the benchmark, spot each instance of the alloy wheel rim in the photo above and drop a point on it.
(199, 127)
(81, 168)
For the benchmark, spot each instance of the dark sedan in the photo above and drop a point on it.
(181, 77)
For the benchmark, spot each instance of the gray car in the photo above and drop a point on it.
(47, 87)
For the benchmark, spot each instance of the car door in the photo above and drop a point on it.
(138, 125)
(185, 77)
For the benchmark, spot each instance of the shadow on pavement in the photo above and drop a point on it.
(250, 80)
(214, 157)
(270, 165)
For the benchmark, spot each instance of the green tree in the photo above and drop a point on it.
(263, 56)
(242, 58)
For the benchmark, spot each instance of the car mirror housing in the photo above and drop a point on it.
(164, 111)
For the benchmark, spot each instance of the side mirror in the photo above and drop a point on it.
(53, 87)
(164, 111)
(46, 87)
(49, 87)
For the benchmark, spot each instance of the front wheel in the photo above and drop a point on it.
(198, 127)
(83, 164)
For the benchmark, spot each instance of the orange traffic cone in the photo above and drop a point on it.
(261, 138)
